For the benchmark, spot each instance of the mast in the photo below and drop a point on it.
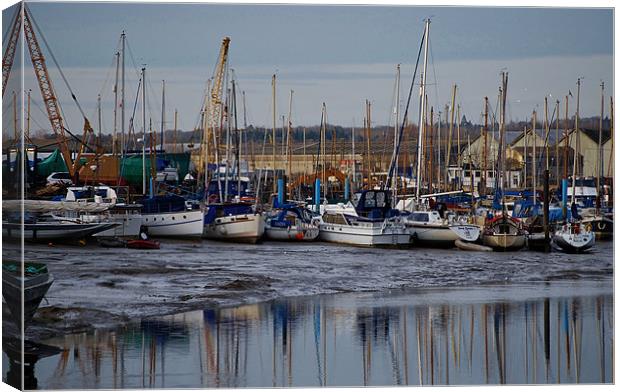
(534, 156)
(98, 124)
(352, 151)
(115, 129)
(422, 110)
(163, 113)
(484, 148)
(143, 131)
(599, 164)
(566, 139)
(449, 144)
(396, 107)
(28, 118)
(525, 137)
(575, 153)
(273, 131)
(430, 155)
(15, 130)
(503, 94)
(611, 135)
(323, 151)
(174, 141)
(289, 150)
(459, 161)
(439, 151)
(123, 95)
(557, 143)
(239, 139)
(546, 126)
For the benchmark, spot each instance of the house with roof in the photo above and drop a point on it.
(586, 143)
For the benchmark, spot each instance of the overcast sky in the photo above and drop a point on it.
(340, 55)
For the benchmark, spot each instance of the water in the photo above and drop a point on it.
(186, 275)
(206, 314)
(505, 334)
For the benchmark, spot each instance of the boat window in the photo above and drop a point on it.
(380, 199)
(356, 199)
(369, 200)
(419, 217)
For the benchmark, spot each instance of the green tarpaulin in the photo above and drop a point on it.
(51, 164)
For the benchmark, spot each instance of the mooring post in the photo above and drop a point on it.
(346, 188)
(546, 208)
(280, 191)
(317, 196)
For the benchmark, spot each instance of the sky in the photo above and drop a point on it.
(340, 55)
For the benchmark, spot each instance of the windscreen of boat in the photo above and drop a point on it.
(419, 217)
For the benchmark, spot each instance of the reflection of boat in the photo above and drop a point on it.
(373, 222)
(235, 222)
(292, 223)
(36, 280)
(574, 238)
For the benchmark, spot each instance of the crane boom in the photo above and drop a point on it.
(9, 53)
(217, 89)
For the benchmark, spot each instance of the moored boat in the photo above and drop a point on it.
(34, 279)
(171, 216)
(371, 222)
(503, 233)
(291, 223)
(236, 222)
(573, 237)
(428, 228)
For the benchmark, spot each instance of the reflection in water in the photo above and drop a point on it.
(349, 339)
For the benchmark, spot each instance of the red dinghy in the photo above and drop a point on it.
(143, 244)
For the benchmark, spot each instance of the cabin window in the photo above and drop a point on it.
(477, 173)
(380, 199)
(369, 200)
(418, 217)
(467, 173)
(490, 175)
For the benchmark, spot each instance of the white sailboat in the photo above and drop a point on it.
(574, 237)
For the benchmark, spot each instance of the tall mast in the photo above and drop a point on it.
(449, 144)
(546, 126)
(486, 143)
(273, 131)
(503, 93)
(439, 151)
(525, 142)
(557, 143)
(430, 155)
(427, 28)
(174, 142)
(143, 131)
(323, 152)
(459, 161)
(566, 138)
(611, 134)
(599, 164)
(534, 156)
(289, 149)
(123, 95)
(163, 112)
(576, 149)
(396, 107)
(115, 129)
(98, 123)
(28, 118)
(352, 151)
(15, 130)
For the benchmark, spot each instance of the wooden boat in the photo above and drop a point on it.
(35, 281)
(573, 237)
(503, 233)
(142, 244)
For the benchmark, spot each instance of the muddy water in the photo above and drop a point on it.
(517, 333)
(98, 287)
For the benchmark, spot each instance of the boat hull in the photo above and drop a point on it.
(129, 226)
(35, 288)
(602, 227)
(574, 243)
(53, 230)
(431, 235)
(366, 236)
(184, 224)
(504, 242)
(291, 233)
(246, 228)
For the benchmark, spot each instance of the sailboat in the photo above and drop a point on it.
(503, 232)
(573, 236)
(428, 227)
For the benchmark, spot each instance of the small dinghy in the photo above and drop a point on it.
(142, 244)
(471, 246)
(111, 242)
